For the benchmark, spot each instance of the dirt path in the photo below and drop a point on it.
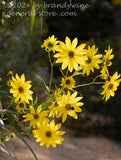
(73, 148)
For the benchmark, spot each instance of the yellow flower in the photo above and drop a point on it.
(10, 73)
(21, 106)
(53, 111)
(68, 82)
(21, 89)
(52, 107)
(70, 55)
(111, 86)
(12, 135)
(107, 62)
(92, 61)
(5, 139)
(50, 43)
(48, 134)
(9, 82)
(69, 105)
(36, 117)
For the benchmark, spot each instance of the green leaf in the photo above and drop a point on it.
(32, 17)
(27, 145)
(1, 114)
(2, 124)
(46, 87)
(45, 106)
(12, 102)
(13, 121)
(35, 104)
(1, 105)
(4, 92)
(4, 150)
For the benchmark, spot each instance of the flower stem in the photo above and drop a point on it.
(51, 75)
(88, 84)
(8, 131)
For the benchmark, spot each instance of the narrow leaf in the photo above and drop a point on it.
(1, 108)
(0, 105)
(3, 92)
(46, 87)
(32, 17)
(2, 124)
(13, 121)
(27, 145)
(45, 106)
(35, 104)
(4, 150)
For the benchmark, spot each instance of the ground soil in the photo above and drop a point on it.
(73, 148)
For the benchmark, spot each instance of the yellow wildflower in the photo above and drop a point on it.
(21, 89)
(21, 106)
(53, 111)
(52, 107)
(48, 134)
(107, 63)
(92, 61)
(5, 139)
(70, 55)
(111, 86)
(36, 117)
(9, 82)
(69, 105)
(12, 135)
(50, 44)
(10, 73)
(68, 82)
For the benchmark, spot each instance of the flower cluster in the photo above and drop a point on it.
(64, 100)
(84, 60)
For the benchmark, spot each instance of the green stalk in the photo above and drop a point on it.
(41, 8)
(88, 84)
(51, 76)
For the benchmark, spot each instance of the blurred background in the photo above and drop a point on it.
(98, 22)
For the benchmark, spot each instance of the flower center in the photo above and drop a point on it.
(107, 62)
(68, 81)
(72, 107)
(69, 107)
(48, 134)
(21, 90)
(71, 54)
(50, 45)
(56, 104)
(110, 86)
(88, 61)
(36, 116)
(21, 105)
